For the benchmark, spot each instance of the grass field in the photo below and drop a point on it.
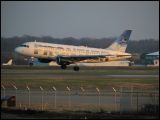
(88, 77)
(31, 114)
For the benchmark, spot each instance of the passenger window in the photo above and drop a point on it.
(50, 53)
(35, 51)
(45, 52)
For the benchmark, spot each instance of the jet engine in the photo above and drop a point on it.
(62, 60)
(44, 60)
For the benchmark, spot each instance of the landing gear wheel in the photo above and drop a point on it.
(63, 66)
(30, 64)
(76, 68)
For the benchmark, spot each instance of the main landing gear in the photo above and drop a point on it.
(75, 68)
(63, 66)
(31, 64)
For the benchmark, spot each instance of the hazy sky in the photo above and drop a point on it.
(95, 19)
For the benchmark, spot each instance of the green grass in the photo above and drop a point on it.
(84, 72)
(72, 114)
(76, 83)
(89, 78)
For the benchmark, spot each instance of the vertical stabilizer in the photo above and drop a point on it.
(121, 42)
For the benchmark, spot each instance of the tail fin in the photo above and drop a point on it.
(121, 42)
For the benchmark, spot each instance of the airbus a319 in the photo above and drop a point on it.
(65, 55)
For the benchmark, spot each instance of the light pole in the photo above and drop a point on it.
(41, 98)
(28, 96)
(121, 100)
(4, 93)
(131, 96)
(98, 95)
(54, 96)
(137, 101)
(16, 92)
(69, 96)
(82, 89)
(155, 102)
(115, 98)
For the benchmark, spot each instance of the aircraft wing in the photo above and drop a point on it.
(73, 59)
(81, 58)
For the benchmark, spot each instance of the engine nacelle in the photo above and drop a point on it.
(44, 60)
(61, 61)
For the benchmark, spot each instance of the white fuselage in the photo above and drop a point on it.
(46, 50)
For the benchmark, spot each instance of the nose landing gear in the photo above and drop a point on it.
(31, 64)
(76, 68)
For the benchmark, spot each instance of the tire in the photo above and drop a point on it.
(30, 64)
(63, 66)
(76, 68)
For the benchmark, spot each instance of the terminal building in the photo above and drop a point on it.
(152, 59)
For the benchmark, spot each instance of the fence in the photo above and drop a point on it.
(114, 100)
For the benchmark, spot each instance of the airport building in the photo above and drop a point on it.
(152, 59)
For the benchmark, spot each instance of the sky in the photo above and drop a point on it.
(79, 19)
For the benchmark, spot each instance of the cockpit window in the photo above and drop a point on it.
(24, 46)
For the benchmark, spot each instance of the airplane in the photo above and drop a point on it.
(8, 63)
(65, 55)
(35, 62)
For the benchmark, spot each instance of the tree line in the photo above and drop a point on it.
(134, 46)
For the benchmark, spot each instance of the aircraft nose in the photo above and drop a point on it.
(17, 50)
